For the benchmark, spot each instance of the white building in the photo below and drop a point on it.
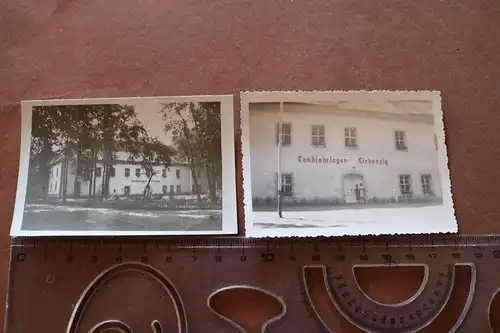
(328, 149)
(126, 178)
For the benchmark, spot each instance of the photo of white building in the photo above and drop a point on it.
(127, 166)
(126, 179)
(340, 159)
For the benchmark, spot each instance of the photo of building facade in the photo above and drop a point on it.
(322, 160)
(127, 166)
(326, 153)
(126, 179)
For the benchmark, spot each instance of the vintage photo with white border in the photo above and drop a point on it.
(339, 163)
(127, 166)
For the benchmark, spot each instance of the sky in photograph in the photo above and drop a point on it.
(148, 112)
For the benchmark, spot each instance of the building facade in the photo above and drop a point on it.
(389, 151)
(126, 179)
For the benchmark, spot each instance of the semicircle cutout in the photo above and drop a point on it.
(375, 282)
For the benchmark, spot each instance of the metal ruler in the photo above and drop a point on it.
(232, 284)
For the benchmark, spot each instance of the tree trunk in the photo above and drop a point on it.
(46, 180)
(103, 182)
(195, 180)
(191, 156)
(145, 193)
(78, 172)
(64, 171)
(91, 174)
(94, 176)
(212, 183)
(209, 181)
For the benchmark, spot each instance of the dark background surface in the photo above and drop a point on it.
(79, 49)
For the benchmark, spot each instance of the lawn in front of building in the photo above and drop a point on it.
(354, 221)
(61, 217)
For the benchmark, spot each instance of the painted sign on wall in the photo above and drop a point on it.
(341, 160)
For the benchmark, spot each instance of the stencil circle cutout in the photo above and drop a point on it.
(371, 316)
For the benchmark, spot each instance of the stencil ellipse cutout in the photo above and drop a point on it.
(118, 293)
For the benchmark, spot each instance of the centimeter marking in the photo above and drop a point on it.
(438, 252)
(450, 249)
(365, 243)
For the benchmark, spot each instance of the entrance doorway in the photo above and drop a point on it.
(350, 182)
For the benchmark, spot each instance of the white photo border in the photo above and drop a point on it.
(229, 199)
(248, 97)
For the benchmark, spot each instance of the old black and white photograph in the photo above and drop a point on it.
(127, 166)
(345, 163)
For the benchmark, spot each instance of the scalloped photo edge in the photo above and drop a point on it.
(350, 163)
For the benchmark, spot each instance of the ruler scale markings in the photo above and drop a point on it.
(483, 253)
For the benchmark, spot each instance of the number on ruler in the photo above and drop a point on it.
(267, 257)
(121, 259)
(496, 254)
(363, 257)
(433, 255)
(387, 257)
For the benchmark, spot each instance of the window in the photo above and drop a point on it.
(98, 172)
(400, 138)
(350, 136)
(178, 173)
(286, 184)
(127, 172)
(286, 134)
(171, 188)
(164, 173)
(165, 189)
(126, 190)
(148, 173)
(318, 136)
(426, 181)
(178, 189)
(137, 172)
(405, 184)
(111, 172)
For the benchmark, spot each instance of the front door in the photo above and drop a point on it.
(350, 182)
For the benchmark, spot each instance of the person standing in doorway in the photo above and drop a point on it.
(362, 192)
(357, 193)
